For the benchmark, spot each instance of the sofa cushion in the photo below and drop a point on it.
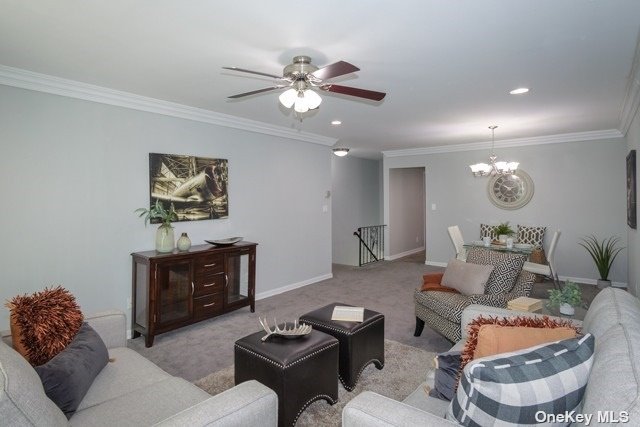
(128, 372)
(511, 388)
(506, 268)
(44, 323)
(22, 398)
(466, 278)
(67, 377)
(609, 307)
(146, 407)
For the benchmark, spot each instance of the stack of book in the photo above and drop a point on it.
(525, 304)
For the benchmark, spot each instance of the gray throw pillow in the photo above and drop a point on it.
(68, 376)
(466, 278)
(446, 375)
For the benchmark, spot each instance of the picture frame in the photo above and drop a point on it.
(197, 187)
(631, 190)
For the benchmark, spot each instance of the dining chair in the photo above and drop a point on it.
(547, 270)
(458, 242)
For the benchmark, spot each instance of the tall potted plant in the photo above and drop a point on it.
(603, 254)
(165, 238)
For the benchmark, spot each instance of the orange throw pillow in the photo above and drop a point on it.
(473, 329)
(44, 323)
(495, 339)
(437, 287)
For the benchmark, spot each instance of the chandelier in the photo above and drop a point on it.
(494, 168)
(300, 97)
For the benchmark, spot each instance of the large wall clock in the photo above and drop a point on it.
(510, 191)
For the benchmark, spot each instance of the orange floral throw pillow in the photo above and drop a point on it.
(492, 335)
(44, 323)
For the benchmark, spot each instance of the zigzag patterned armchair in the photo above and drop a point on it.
(442, 311)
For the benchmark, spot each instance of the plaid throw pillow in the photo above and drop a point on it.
(531, 235)
(509, 389)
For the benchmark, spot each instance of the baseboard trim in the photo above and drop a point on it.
(404, 254)
(435, 263)
(272, 292)
(591, 281)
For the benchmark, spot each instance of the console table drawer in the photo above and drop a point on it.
(207, 306)
(205, 284)
(210, 264)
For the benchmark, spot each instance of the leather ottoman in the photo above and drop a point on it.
(361, 343)
(300, 371)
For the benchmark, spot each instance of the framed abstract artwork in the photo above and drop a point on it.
(631, 190)
(196, 186)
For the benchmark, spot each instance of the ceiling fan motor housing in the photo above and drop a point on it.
(299, 69)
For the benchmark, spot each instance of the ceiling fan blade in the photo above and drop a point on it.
(253, 92)
(334, 70)
(354, 91)
(253, 72)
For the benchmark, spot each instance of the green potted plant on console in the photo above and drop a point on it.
(603, 254)
(566, 298)
(165, 239)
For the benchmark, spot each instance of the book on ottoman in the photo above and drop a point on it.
(348, 313)
(525, 304)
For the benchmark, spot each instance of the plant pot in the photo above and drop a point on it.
(603, 283)
(502, 238)
(567, 309)
(165, 240)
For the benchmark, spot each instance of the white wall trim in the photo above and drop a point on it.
(517, 142)
(272, 292)
(404, 254)
(435, 263)
(591, 281)
(24, 79)
(631, 101)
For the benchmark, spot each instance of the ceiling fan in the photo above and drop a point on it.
(301, 77)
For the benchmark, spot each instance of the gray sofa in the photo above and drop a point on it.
(614, 382)
(130, 391)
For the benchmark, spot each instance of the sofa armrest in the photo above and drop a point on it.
(474, 310)
(111, 326)
(373, 410)
(247, 404)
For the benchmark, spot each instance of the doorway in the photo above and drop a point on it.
(407, 211)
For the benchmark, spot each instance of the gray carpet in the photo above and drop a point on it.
(195, 351)
(405, 369)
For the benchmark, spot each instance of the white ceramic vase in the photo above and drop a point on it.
(184, 242)
(165, 240)
(567, 309)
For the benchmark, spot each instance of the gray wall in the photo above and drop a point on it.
(579, 189)
(355, 202)
(406, 210)
(72, 172)
(633, 143)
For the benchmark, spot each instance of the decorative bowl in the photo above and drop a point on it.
(224, 242)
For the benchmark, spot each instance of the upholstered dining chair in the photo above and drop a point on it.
(546, 270)
(458, 242)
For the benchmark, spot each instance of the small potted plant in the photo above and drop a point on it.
(603, 254)
(165, 239)
(566, 298)
(503, 230)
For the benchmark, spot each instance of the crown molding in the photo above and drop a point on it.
(631, 101)
(517, 142)
(30, 80)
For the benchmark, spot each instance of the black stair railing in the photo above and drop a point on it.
(371, 248)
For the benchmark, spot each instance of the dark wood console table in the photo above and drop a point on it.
(171, 290)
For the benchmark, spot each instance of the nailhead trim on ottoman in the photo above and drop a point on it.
(361, 343)
(300, 371)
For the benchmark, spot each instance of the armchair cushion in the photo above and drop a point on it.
(506, 268)
(467, 278)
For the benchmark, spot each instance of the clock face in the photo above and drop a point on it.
(510, 191)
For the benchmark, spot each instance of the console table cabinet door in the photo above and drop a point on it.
(171, 290)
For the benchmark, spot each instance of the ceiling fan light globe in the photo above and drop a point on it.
(288, 97)
(312, 98)
(301, 105)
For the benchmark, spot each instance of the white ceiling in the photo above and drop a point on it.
(447, 66)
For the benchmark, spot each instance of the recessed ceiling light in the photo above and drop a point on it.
(519, 91)
(336, 122)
